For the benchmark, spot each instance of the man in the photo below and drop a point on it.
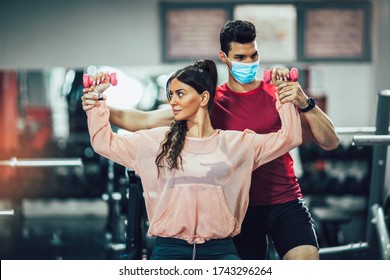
(276, 207)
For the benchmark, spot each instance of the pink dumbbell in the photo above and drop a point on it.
(293, 75)
(87, 80)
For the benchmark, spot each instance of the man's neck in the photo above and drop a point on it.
(241, 88)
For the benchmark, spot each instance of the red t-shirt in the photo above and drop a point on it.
(274, 182)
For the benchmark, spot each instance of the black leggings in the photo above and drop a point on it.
(178, 249)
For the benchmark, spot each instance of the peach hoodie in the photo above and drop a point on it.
(208, 199)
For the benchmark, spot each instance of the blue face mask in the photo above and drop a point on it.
(244, 73)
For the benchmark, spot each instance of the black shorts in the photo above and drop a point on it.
(178, 249)
(288, 224)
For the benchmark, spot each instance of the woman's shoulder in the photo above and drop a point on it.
(154, 131)
(233, 133)
(237, 139)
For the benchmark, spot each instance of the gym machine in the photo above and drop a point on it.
(114, 234)
(376, 244)
(47, 162)
(127, 219)
(44, 162)
(52, 162)
(138, 244)
(7, 212)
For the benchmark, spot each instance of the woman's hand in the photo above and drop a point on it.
(94, 93)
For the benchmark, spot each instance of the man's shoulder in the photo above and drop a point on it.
(221, 90)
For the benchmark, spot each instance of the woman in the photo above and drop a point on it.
(196, 179)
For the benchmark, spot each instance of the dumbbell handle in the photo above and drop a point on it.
(87, 80)
(293, 75)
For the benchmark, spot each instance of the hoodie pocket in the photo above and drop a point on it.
(194, 211)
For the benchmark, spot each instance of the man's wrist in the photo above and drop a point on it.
(310, 105)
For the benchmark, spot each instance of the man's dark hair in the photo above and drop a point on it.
(239, 31)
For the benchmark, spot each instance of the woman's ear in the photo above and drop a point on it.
(205, 98)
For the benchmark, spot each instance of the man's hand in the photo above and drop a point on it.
(288, 91)
(292, 92)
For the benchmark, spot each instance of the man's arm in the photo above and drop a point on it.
(317, 126)
(133, 120)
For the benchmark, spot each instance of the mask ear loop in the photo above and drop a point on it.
(231, 63)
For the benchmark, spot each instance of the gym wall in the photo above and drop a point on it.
(120, 33)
